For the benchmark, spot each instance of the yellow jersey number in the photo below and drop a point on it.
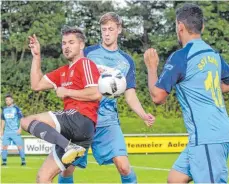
(214, 86)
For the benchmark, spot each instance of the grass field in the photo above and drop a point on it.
(149, 169)
(161, 125)
(152, 168)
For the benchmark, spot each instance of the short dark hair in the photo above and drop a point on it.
(8, 95)
(75, 30)
(110, 16)
(191, 16)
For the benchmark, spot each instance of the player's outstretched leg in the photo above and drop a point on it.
(47, 132)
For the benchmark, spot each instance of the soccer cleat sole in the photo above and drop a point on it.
(71, 155)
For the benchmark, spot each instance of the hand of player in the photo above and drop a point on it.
(61, 92)
(149, 119)
(151, 58)
(34, 45)
(19, 131)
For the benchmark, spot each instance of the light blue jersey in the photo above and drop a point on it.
(110, 61)
(196, 72)
(11, 116)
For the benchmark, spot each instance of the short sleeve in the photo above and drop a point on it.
(2, 115)
(89, 73)
(173, 73)
(54, 77)
(130, 78)
(19, 112)
(224, 71)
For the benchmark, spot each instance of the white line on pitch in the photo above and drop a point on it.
(139, 167)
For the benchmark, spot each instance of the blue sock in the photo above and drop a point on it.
(4, 156)
(130, 178)
(62, 179)
(22, 155)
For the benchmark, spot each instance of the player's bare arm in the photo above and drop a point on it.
(134, 103)
(38, 82)
(88, 94)
(151, 60)
(224, 87)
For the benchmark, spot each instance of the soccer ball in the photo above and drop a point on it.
(112, 84)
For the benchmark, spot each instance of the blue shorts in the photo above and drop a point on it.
(204, 163)
(108, 142)
(8, 137)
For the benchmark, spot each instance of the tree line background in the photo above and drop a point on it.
(146, 24)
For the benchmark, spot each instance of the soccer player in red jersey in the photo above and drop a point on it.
(77, 84)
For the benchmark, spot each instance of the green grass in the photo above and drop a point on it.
(161, 125)
(151, 168)
(143, 165)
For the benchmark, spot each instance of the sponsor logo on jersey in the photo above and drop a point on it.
(168, 66)
(66, 84)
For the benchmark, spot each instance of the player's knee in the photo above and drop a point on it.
(124, 169)
(4, 147)
(68, 172)
(43, 178)
(19, 147)
(25, 122)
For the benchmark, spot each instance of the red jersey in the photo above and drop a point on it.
(83, 73)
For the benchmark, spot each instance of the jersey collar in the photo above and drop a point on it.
(194, 41)
(111, 51)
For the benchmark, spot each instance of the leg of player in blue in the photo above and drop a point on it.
(16, 138)
(22, 155)
(4, 156)
(65, 179)
(130, 178)
(5, 142)
(68, 174)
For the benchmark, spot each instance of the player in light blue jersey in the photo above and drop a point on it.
(11, 129)
(108, 145)
(197, 72)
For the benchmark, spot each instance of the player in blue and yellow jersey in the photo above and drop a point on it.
(11, 129)
(197, 72)
(108, 144)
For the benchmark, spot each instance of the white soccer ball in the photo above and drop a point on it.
(112, 84)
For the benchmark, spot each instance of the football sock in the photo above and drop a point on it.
(4, 156)
(48, 133)
(22, 155)
(130, 178)
(62, 179)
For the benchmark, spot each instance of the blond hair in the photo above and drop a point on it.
(110, 16)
